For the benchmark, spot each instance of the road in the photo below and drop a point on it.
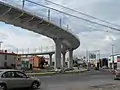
(86, 80)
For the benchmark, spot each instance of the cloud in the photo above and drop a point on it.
(91, 39)
(15, 37)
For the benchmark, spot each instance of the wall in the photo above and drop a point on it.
(7, 58)
(35, 62)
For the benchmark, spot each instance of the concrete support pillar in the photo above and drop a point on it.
(58, 43)
(63, 60)
(50, 61)
(70, 62)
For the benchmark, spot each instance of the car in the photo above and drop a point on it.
(117, 74)
(10, 79)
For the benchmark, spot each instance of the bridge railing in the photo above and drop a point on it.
(41, 9)
(32, 50)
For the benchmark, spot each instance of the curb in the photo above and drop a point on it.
(74, 72)
(40, 74)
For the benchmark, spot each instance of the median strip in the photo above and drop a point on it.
(55, 73)
(41, 74)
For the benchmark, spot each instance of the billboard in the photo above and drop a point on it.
(92, 56)
(118, 58)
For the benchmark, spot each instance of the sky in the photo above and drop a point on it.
(97, 38)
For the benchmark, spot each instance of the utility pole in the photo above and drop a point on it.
(23, 4)
(87, 57)
(49, 15)
(113, 55)
(60, 22)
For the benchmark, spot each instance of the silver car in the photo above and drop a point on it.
(10, 79)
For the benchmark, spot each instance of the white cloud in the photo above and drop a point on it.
(109, 38)
(104, 9)
(91, 40)
(22, 39)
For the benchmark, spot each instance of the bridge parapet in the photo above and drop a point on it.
(32, 50)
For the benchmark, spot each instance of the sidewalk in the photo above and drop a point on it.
(81, 70)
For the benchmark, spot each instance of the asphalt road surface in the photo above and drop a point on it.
(87, 81)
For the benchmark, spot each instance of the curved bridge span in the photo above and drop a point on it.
(21, 15)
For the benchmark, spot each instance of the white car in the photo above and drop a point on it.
(10, 79)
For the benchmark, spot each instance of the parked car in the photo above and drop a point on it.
(117, 74)
(10, 79)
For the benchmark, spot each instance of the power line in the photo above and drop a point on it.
(96, 29)
(83, 13)
(84, 19)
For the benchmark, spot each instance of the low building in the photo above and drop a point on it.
(24, 62)
(29, 62)
(38, 62)
(7, 60)
(35, 62)
(114, 59)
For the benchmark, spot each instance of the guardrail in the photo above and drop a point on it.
(31, 50)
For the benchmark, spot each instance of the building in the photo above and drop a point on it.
(30, 62)
(38, 62)
(35, 62)
(103, 62)
(7, 60)
(24, 62)
(114, 59)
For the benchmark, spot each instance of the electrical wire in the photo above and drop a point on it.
(82, 13)
(84, 19)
